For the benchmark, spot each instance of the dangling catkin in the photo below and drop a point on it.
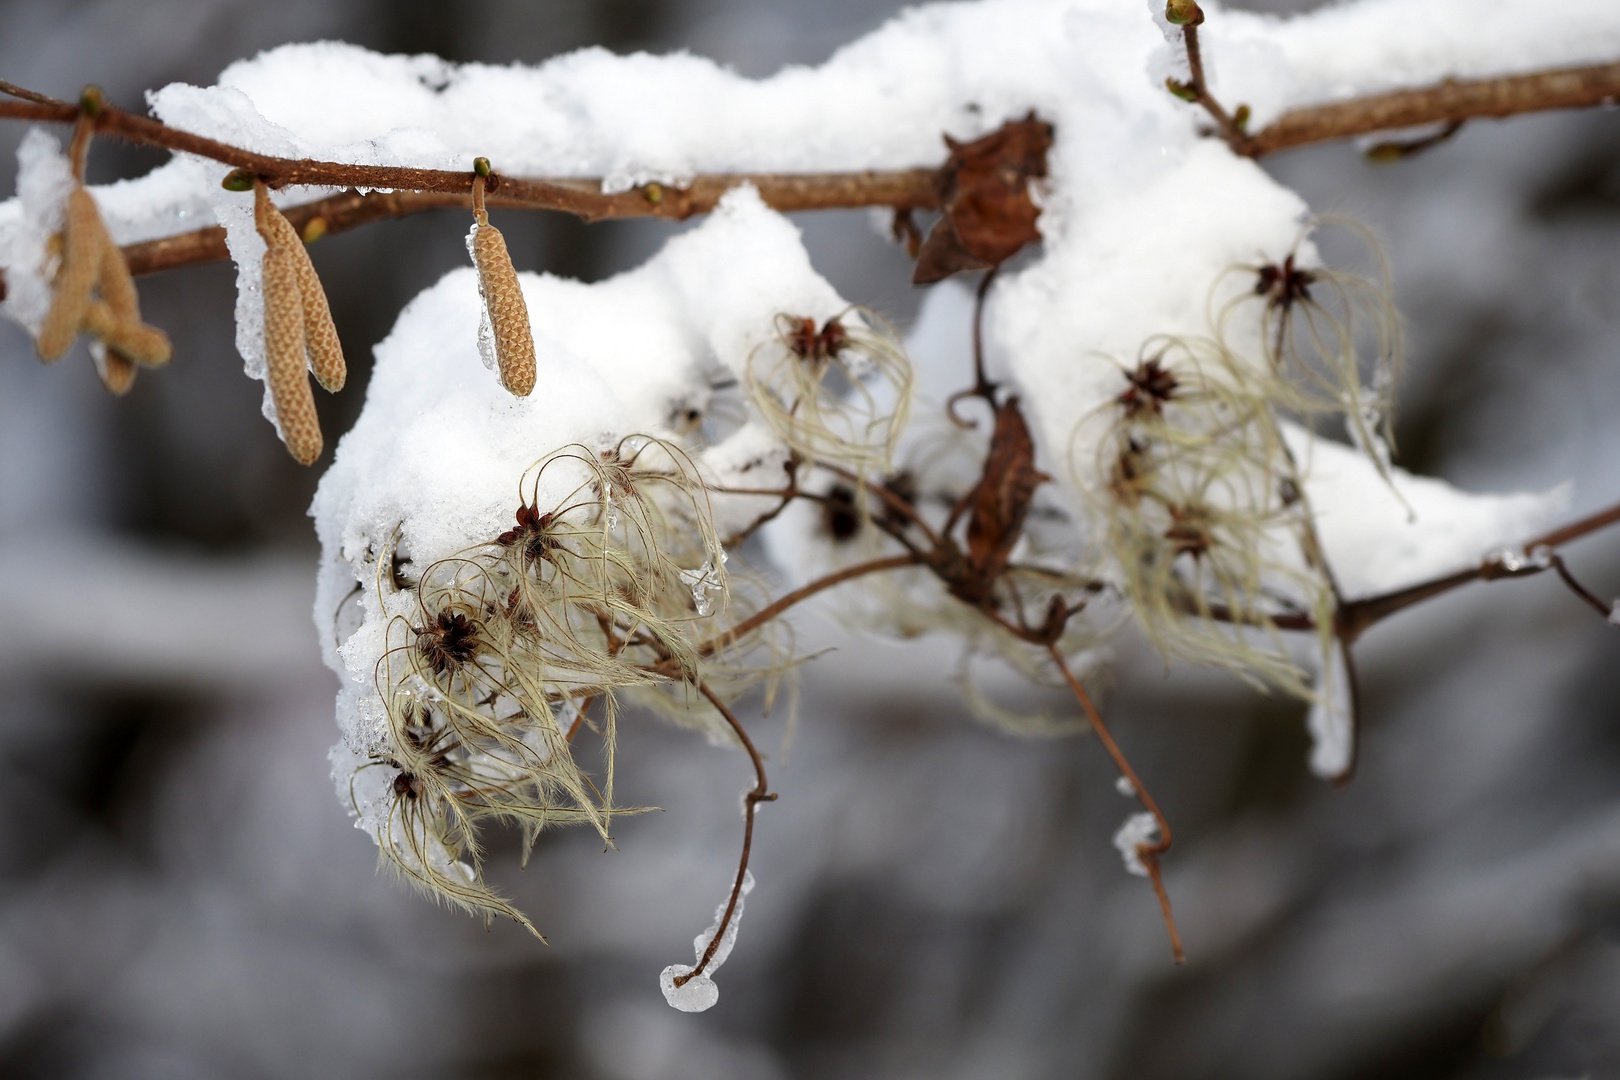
(325, 351)
(117, 371)
(508, 315)
(81, 263)
(138, 342)
(135, 339)
(284, 356)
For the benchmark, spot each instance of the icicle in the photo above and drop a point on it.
(699, 993)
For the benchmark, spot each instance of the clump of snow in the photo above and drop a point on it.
(27, 223)
(1331, 720)
(700, 993)
(1376, 545)
(1139, 829)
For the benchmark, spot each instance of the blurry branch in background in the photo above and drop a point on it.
(1535, 556)
(415, 190)
(1451, 103)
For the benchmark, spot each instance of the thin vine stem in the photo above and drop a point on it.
(804, 592)
(760, 792)
(1147, 853)
(1356, 616)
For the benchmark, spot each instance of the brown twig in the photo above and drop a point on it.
(759, 793)
(804, 592)
(1230, 129)
(1355, 616)
(982, 387)
(1451, 101)
(1147, 853)
(1577, 588)
(428, 189)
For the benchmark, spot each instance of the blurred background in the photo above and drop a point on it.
(181, 894)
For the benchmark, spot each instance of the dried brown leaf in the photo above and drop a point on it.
(1001, 500)
(984, 192)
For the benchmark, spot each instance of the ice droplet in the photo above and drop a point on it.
(486, 329)
(694, 995)
(1124, 786)
(702, 581)
(1331, 720)
(1516, 561)
(1138, 829)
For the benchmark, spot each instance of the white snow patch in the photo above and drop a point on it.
(1331, 720)
(1139, 829)
(1372, 543)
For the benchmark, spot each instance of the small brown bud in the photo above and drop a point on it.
(81, 263)
(1183, 12)
(508, 314)
(284, 356)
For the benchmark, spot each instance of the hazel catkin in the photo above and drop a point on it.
(141, 344)
(320, 334)
(116, 370)
(508, 314)
(144, 344)
(82, 240)
(284, 356)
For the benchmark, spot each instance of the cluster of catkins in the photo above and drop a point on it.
(92, 292)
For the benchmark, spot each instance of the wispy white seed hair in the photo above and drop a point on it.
(508, 314)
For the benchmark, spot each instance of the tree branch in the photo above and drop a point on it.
(1148, 853)
(804, 592)
(1356, 616)
(416, 190)
(1451, 101)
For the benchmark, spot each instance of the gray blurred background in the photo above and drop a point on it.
(181, 894)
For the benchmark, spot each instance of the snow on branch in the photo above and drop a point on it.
(538, 514)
